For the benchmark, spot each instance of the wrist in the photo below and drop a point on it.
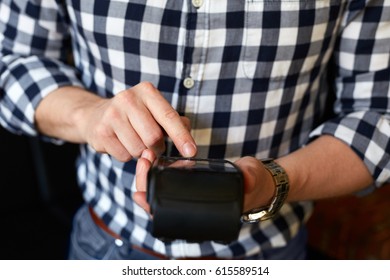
(56, 115)
(82, 113)
(296, 178)
(281, 188)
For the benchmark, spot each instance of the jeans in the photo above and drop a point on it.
(90, 242)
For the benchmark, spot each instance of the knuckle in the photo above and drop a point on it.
(136, 151)
(182, 134)
(111, 114)
(171, 114)
(126, 98)
(147, 86)
(154, 138)
(102, 131)
(124, 156)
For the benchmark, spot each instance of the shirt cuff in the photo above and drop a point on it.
(368, 134)
(28, 81)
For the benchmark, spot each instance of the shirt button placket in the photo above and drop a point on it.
(197, 3)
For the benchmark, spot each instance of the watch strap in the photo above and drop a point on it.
(281, 181)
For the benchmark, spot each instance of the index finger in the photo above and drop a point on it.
(171, 122)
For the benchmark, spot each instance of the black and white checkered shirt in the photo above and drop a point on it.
(252, 76)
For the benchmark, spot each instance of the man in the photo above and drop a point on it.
(241, 80)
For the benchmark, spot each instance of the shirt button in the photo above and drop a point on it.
(118, 242)
(197, 3)
(188, 83)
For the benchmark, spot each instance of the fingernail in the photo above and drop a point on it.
(189, 150)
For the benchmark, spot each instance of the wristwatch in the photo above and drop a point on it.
(281, 191)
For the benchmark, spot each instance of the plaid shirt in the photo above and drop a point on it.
(252, 76)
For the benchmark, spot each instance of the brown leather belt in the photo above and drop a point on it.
(99, 222)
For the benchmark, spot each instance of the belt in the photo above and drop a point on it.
(99, 222)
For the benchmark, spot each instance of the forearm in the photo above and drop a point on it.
(325, 168)
(61, 114)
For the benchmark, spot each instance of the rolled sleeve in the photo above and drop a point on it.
(34, 44)
(362, 106)
(368, 134)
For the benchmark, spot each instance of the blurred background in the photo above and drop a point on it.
(39, 196)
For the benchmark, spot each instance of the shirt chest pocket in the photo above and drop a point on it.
(284, 38)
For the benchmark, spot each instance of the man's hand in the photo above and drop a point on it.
(123, 126)
(134, 120)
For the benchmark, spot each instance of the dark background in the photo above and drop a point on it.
(38, 197)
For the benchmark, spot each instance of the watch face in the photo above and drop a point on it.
(216, 165)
